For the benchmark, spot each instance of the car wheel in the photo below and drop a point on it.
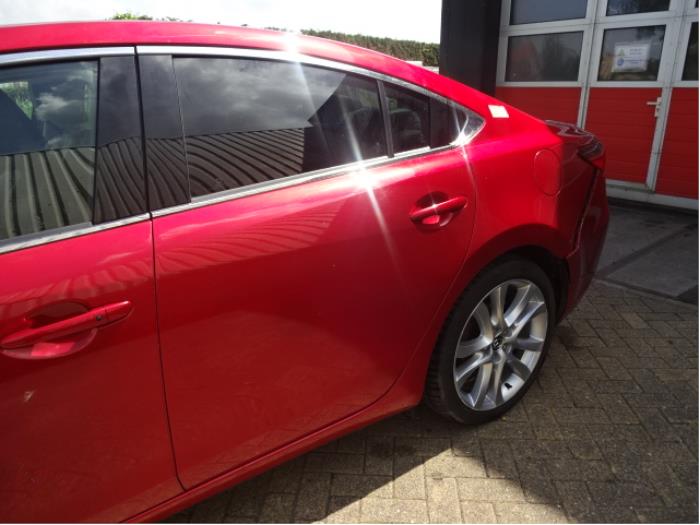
(493, 343)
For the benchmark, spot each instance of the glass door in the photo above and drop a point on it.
(629, 84)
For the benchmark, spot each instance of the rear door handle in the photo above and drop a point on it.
(434, 214)
(27, 343)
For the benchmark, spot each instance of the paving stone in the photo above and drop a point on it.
(655, 424)
(580, 415)
(585, 450)
(443, 500)
(379, 457)
(409, 477)
(361, 486)
(509, 512)
(247, 497)
(277, 508)
(421, 446)
(467, 446)
(212, 510)
(545, 449)
(478, 512)
(540, 490)
(612, 494)
(352, 444)
(343, 509)
(489, 489)
(575, 469)
(504, 430)
(312, 500)
(335, 463)
(287, 477)
(393, 511)
(499, 460)
(446, 465)
(617, 409)
(665, 515)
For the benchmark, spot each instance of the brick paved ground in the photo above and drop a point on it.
(608, 433)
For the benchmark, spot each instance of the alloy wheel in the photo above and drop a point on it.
(500, 344)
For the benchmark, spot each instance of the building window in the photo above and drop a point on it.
(47, 146)
(534, 11)
(631, 54)
(549, 57)
(629, 7)
(248, 121)
(690, 69)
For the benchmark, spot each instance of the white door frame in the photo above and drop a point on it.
(663, 82)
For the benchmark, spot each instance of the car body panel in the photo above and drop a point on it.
(273, 305)
(76, 429)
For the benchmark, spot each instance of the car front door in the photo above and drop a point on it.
(84, 431)
(296, 283)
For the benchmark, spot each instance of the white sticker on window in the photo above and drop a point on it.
(498, 111)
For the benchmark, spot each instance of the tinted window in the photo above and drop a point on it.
(631, 54)
(690, 69)
(447, 122)
(409, 113)
(542, 58)
(248, 121)
(162, 127)
(47, 146)
(120, 189)
(533, 11)
(626, 7)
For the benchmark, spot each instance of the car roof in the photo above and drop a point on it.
(36, 37)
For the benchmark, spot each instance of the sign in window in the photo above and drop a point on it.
(631, 54)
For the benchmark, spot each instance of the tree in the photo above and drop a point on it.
(128, 15)
(404, 49)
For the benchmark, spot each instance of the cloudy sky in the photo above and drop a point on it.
(411, 19)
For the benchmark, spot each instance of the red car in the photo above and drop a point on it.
(222, 247)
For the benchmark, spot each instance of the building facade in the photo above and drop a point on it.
(625, 69)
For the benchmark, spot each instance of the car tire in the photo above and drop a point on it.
(484, 361)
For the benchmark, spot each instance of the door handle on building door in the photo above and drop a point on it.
(657, 105)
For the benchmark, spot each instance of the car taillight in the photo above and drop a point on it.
(589, 147)
(593, 152)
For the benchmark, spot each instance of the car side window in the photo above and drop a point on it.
(251, 120)
(48, 115)
(409, 114)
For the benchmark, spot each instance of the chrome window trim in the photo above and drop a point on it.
(286, 56)
(78, 230)
(27, 57)
(296, 180)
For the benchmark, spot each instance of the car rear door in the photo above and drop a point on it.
(294, 282)
(84, 429)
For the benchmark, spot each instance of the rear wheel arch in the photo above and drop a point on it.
(556, 269)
